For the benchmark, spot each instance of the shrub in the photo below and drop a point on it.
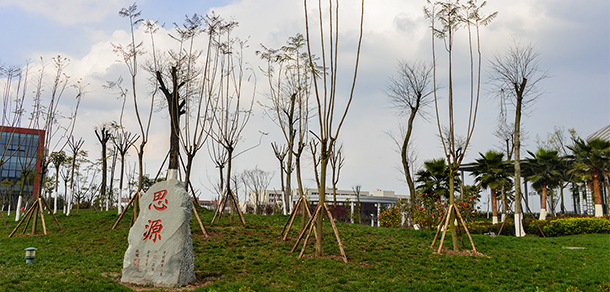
(570, 226)
(268, 209)
(390, 217)
(278, 209)
(338, 212)
(551, 228)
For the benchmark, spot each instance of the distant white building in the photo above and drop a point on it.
(370, 203)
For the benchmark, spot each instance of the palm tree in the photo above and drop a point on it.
(544, 172)
(434, 178)
(490, 172)
(592, 160)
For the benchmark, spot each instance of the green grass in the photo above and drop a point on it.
(88, 256)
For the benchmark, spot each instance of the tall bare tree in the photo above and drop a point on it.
(233, 110)
(515, 76)
(330, 116)
(129, 56)
(410, 92)
(199, 106)
(288, 74)
(446, 18)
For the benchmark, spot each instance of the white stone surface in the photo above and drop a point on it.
(160, 248)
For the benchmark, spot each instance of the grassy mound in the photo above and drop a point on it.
(88, 256)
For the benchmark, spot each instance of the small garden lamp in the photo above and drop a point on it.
(30, 253)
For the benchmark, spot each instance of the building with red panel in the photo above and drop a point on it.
(21, 151)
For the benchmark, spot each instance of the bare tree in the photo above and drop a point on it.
(257, 181)
(515, 76)
(123, 142)
(103, 136)
(129, 55)
(13, 96)
(231, 116)
(288, 74)
(200, 106)
(75, 147)
(280, 153)
(446, 18)
(336, 160)
(57, 159)
(330, 117)
(410, 92)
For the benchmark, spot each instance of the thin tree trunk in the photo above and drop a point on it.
(494, 207)
(543, 203)
(322, 195)
(405, 161)
(598, 198)
(519, 231)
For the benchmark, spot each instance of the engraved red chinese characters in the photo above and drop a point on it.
(152, 230)
(159, 201)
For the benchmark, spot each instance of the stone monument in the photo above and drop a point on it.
(160, 248)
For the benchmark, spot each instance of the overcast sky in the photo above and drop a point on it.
(571, 36)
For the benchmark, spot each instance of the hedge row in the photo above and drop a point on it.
(557, 227)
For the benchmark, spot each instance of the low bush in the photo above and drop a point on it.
(390, 217)
(551, 228)
(571, 226)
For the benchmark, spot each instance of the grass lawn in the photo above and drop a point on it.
(88, 256)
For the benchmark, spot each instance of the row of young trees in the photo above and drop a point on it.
(43, 108)
(514, 78)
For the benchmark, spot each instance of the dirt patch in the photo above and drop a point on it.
(190, 287)
(463, 253)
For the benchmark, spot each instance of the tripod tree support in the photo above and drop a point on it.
(446, 217)
(309, 228)
(33, 211)
(293, 215)
(223, 202)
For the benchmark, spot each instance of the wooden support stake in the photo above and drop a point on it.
(205, 233)
(220, 207)
(439, 228)
(290, 219)
(445, 231)
(35, 214)
(56, 221)
(124, 211)
(241, 215)
(311, 219)
(20, 222)
(27, 224)
(44, 225)
(466, 228)
(314, 217)
(332, 222)
(5, 225)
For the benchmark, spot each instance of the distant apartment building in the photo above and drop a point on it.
(371, 204)
(21, 150)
